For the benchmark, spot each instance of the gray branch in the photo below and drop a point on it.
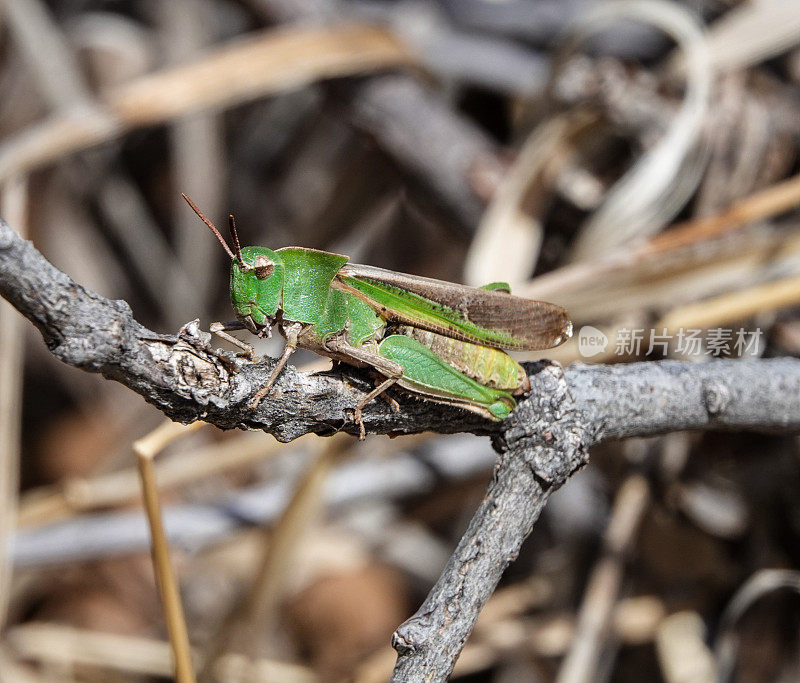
(546, 440)
(541, 444)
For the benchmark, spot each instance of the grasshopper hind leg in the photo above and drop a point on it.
(427, 374)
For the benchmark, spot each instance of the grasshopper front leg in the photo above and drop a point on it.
(222, 329)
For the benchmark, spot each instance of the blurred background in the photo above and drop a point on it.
(634, 162)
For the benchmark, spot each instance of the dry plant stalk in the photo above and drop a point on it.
(603, 587)
(268, 63)
(146, 450)
(13, 199)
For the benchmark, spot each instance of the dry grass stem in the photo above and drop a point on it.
(734, 307)
(255, 610)
(146, 450)
(270, 63)
(66, 646)
(13, 202)
(682, 650)
(603, 587)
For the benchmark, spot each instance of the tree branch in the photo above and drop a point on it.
(541, 444)
(184, 377)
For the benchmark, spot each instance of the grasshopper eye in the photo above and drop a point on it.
(264, 266)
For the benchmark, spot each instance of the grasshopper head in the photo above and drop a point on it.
(256, 286)
(256, 278)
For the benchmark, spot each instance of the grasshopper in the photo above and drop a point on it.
(436, 339)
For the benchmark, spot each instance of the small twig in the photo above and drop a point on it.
(12, 354)
(146, 450)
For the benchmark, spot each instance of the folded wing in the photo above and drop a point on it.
(490, 317)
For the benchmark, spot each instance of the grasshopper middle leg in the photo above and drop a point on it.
(292, 332)
(391, 370)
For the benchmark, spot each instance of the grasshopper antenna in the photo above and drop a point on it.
(235, 235)
(234, 257)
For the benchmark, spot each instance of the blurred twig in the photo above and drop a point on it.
(146, 449)
(605, 582)
(14, 200)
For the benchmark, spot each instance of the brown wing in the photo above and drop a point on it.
(536, 324)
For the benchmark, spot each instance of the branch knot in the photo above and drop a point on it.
(716, 397)
(546, 426)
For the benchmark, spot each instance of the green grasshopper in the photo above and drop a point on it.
(436, 339)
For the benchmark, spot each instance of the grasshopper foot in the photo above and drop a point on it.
(362, 432)
(377, 391)
(263, 391)
(392, 402)
(256, 399)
